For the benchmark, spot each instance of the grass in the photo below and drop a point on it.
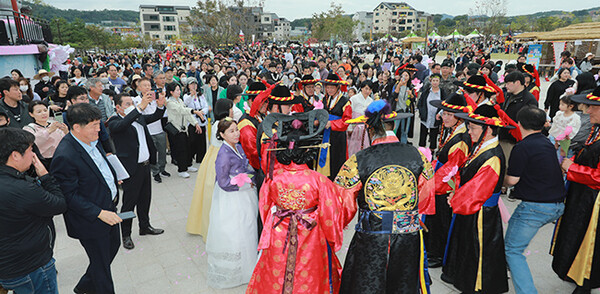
(495, 56)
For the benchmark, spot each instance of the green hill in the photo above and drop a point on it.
(48, 12)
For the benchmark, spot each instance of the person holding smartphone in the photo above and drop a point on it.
(26, 226)
(197, 102)
(47, 133)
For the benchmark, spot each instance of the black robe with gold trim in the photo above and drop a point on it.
(386, 254)
(475, 259)
(452, 153)
(576, 247)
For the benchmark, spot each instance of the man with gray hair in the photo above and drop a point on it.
(103, 102)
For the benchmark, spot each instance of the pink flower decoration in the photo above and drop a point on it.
(418, 86)
(415, 82)
(500, 78)
(426, 152)
(565, 134)
(568, 130)
(240, 180)
(450, 175)
(318, 104)
(296, 124)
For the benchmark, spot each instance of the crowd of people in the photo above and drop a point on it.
(289, 146)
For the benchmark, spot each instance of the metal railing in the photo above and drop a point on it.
(20, 29)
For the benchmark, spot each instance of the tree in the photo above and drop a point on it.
(218, 22)
(333, 24)
(488, 15)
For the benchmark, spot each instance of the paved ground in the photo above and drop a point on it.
(175, 262)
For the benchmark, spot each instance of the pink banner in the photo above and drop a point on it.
(559, 47)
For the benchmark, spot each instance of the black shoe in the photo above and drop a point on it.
(79, 291)
(447, 278)
(157, 178)
(128, 243)
(151, 231)
(166, 174)
(434, 262)
(582, 290)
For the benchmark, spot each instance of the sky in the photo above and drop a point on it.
(294, 9)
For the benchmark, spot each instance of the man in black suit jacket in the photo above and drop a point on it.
(90, 187)
(136, 151)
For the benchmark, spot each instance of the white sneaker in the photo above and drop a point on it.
(192, 169)
(184, 174)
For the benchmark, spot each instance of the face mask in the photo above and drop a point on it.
(292, 77)
(104, 80)
(129, 109)
(24, 88)
(45, 78)
(183, 80)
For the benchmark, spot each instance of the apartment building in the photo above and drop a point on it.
(163, 22)
(395, 17)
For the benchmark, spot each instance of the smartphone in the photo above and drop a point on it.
(58, 116)
(126, 215)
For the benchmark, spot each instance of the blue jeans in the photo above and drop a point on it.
(402, 127)
(525, 222)
(40, 281)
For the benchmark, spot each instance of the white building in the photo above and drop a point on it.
(282, 29)
(364, 26)
(395, 17)
(163, 22)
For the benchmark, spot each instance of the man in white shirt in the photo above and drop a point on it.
(159, 137)
(136, 151)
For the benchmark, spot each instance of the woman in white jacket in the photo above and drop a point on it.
(180, 117)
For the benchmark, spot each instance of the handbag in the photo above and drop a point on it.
(171, 129)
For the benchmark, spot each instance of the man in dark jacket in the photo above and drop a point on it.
(136, 151)
(12, 105)
(516, 98)
(427, 112)
(27, 206)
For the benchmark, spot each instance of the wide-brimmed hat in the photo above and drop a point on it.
(488, 115)
(281, 95)
(589, 99)
(476, 83)
(254, 89)
(306, 80)
(456, 103)
(379, 110)
(406, 66)
(334, 79)
(42, 72)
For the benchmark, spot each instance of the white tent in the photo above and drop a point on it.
(454, 35)
(474, 34)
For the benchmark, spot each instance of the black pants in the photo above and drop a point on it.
(137, 192)
(180, 150)
(197, 143)
(101, 251)
(433, 136)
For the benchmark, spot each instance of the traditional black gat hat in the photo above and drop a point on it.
(476, 83)
(254, 89)
(281, 95)
(589, 99)
(490, 116)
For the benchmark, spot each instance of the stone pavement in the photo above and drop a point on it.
(175, 262)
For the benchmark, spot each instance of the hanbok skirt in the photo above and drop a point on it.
(198, 217)
(232, 242)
